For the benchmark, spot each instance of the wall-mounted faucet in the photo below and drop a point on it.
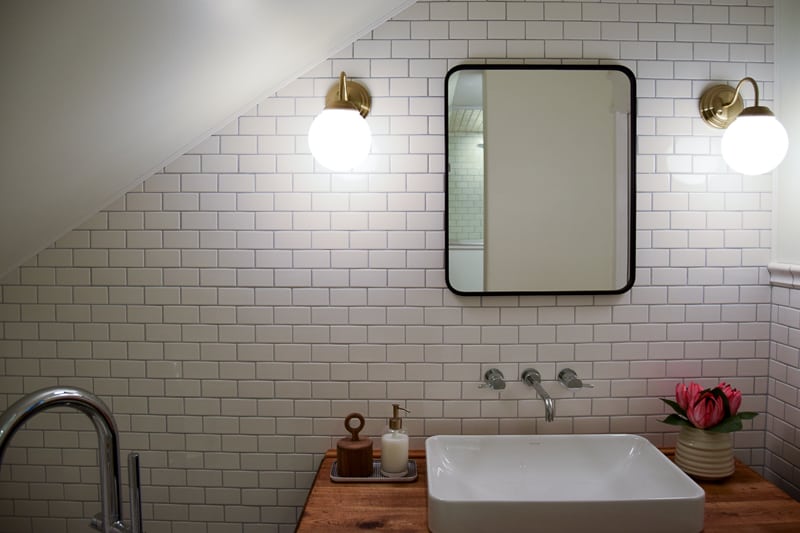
(109, 520)
(493, 379)
(569, 378)
(534, 379)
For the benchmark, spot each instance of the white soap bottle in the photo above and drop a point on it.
(394, 446)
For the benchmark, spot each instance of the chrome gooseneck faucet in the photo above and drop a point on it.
(534, 379)
(109, 520)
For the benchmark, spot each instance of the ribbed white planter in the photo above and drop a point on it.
(704, 454)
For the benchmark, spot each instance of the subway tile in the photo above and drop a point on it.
(674, 13)
(747, 15)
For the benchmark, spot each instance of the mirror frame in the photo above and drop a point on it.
(631, 176)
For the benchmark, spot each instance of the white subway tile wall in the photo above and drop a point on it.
(234, 308)
(465, 187)
(782, 463)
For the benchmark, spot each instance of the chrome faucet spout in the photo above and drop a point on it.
(534, 379)
(110, 518)
(549, 404)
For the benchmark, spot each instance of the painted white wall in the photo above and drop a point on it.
(786, 248)
(551, 181)
(98, 95)
(466, 267)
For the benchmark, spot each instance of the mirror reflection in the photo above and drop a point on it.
(541, 179)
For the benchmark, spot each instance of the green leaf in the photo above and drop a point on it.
(676, 420)
(746, 415)
(677, 408)
(731, 424)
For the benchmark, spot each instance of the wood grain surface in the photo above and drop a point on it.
(744, 503)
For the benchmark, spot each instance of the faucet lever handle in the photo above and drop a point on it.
(569, 378)
(493, 379)
(135, 493)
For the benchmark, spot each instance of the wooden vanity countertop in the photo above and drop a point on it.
(745, 503)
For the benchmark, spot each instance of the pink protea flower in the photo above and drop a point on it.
(706, 411)
(706, 408)
(733, 395)
(687, 395)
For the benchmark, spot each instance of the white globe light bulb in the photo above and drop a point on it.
(754, 144)
(339, 139)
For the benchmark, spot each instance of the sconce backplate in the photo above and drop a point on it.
(357, 95)
(713, 104)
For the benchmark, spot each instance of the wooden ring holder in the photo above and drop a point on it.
(354, 455)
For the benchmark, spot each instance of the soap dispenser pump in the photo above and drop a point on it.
(394, 446)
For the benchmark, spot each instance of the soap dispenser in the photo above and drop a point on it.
(394, 446)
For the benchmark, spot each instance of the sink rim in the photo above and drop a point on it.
(642, 446)
(480, 501)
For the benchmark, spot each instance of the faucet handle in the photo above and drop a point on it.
(135, 493)
(569, 378)
(493, 379)
(98, 522)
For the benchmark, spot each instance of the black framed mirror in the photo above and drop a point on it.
(541, 179)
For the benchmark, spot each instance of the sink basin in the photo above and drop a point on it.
(557, 483)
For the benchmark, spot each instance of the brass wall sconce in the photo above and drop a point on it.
(339, 137)
(754, 141)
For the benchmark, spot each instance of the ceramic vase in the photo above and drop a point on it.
(705, 455)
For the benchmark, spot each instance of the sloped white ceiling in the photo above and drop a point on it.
(96, 95)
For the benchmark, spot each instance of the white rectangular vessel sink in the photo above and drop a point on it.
(557, 483)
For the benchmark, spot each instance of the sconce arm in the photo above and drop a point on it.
(739, 89)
